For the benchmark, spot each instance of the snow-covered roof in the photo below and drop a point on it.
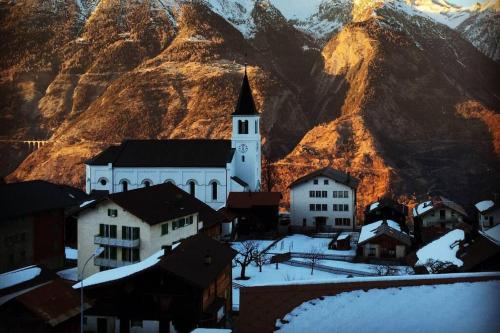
(422, 208)
(370, 230)
(69, 274)
(493, 234)
(443, 249)
(484, 205)
(86, 203)
(374, 205)
(343, 236)
(120, 272)
(18, 276)
(211, 330)
(404, 309)
(71, 254)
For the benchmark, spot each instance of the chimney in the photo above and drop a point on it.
(167, 249)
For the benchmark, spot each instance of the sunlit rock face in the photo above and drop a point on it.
(371, 87)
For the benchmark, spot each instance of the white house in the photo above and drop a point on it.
(439, 212)
(383, 239)
(133, 225)
(208, 169)
(323, 200)
(488, 214)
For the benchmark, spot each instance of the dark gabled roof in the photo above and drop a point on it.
(54, 302)
(245, 105)
(188, 260)
(336, 175)
(156, 204)
(167, 153)
(478, 251)
(36, 196)
(386, 202)
(239, 200)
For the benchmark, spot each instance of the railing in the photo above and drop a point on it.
(128, 243)
(113, 263)
(329, 269)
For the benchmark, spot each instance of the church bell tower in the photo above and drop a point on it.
(246, 138)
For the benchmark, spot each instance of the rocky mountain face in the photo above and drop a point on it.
(397, 99)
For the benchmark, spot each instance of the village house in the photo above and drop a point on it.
(435, 217)
(254, 211)
(207, 169)
(488, 214)
(323, 200)
(174, 290)
(34, 220)
(383, 239)
(386, 208)
(133, 225)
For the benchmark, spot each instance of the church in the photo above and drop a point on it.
(207, 169)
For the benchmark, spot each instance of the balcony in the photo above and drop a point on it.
(128, 243)
(113, 263)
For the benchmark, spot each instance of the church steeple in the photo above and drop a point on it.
(245, 105)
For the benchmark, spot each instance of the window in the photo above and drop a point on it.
(335, 194)
(109, 252)
(304, 222)
(146, 183)
(346, 194)
(324, 194)
(130, 255)
(181, 222)
(190, 220)
(311, 194)
(318, 194)
(335, 207)
(256, 127)
(214, 190)
(318, 207)
(164, 229)
(112, 212)
(325, 182)
(346, 208)
(135, 323)
(491, 221)
(243, 158)
(169, 181)
(324, 207)
(312, 207)
(372, 252)
(338, 221)
(442, 214)
(106, 230)
(130, 233)
(103, 181)
(174, 225)
(346, 221)
(124, 183)
(315, 182)
(192, 187)
(242, 126)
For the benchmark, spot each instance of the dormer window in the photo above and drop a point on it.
(315, 182)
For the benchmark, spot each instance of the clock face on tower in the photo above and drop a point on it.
(243, 148)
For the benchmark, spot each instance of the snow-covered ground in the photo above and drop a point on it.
(262, 244)
(443, 249)
(459, 307)
(304, 244)
(270, 274)
(70, 274)
(360, 267)
(17, 276)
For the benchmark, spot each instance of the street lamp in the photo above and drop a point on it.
(96, 252)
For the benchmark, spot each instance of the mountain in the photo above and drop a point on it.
(375, 88)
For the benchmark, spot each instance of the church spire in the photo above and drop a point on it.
(245, 105)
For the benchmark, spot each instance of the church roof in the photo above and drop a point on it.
(167, 153)
(245, 105)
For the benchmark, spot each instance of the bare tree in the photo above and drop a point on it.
(314, 257)
(269, 174)
(245, 256)
(260, 259)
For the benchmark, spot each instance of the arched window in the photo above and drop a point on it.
(103, 181)
(242, 126)
(124, 184)
(147, 183)
(243, 158)
(169, 181)
(192, 187)
(214, 190)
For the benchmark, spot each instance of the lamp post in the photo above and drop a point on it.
(97, 252)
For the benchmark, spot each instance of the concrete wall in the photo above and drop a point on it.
(300, 200)
(151, 239)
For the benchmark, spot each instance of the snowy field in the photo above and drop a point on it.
(459, 307)
(270, 274)
(304, 244)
